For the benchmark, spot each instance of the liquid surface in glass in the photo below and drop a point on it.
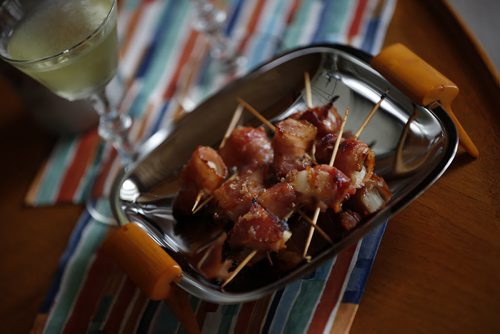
(56, 26)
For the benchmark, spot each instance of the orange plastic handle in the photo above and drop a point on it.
(422, 83)
(143, 260)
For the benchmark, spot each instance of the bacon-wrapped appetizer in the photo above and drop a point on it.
(279, 199)
(372, 197)
(354, 158)
(213, 265)
(322, 186)
(259, 230)
(235, 196)
(247, 147)
(326, 118)
(204, 172)
(292, 142)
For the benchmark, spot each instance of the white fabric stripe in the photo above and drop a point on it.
(141, 38)
(246, 13)
(385, 18)
(331, 319)
(128, 311)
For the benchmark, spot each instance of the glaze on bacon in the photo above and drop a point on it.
(279, 199)
(260, 230)
(326, 119)
(247, 147)
(292, 143)
(235, 196)
(322, 186)
(354, 158)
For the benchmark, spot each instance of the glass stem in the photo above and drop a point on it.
(114, 127)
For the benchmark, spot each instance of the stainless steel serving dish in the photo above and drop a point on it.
(413, 145)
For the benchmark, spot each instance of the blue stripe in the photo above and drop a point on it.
(233, 17)
(147, 316)
(370, 34)
(68, 252)
(155, 126)
(366, 255)
(288, 297)
(166, 322)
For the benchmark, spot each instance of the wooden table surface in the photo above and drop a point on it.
(438, 268)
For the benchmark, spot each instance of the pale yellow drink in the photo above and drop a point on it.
(79, 34)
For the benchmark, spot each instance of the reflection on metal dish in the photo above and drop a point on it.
(413, 146)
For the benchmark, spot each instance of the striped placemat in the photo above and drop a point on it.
(161, 56)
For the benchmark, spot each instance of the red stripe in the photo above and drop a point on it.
(252, 23)
(84, 155)
(90, 294)
(203, 309)
(331, 293)
(293, 10)
(244, 317)
(132, 27)
(188, 48)
(357, 20)
(115, 318)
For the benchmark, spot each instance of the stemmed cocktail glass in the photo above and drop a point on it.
(71, 47)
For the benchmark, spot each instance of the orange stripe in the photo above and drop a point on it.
(188, 48)
(119, 308)
(331, 293)
(293, 10)
(84, 155)
(357, 20)
(131, 28)
(252, 24)
(90, 294)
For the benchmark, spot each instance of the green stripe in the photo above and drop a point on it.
(100, 315)
(89, 178)
(75, 274)
(339, 14)
(56, 169)
(294, 31)
(228, 313)
(304, 306)
(308, 297)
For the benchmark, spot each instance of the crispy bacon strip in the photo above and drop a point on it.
(321, 186)
(354, 158)
(235, 196)
(278, 199)
(326, 118)
(247, 147)
(259, 230)
(292, 142)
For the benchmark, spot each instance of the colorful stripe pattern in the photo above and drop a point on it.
(161, 57)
